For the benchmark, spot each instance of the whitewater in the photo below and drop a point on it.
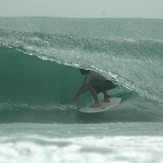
(40, 59)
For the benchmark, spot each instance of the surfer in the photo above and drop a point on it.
(95, 83)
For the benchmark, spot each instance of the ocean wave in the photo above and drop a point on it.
(131, 63)
(41, 69)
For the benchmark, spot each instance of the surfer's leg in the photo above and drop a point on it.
(107, 85)
(94, 94)
(106, 96)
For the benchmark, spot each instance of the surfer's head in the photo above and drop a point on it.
(83, 71)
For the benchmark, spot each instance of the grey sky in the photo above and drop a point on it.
(83, 8)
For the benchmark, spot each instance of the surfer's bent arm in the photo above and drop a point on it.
(81, 90)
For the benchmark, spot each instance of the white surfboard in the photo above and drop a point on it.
(105, 106)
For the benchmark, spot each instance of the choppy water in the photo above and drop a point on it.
(113, 142)
(39, 61)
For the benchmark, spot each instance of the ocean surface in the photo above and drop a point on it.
(40, 59)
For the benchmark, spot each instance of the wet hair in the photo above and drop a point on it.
(83, 71)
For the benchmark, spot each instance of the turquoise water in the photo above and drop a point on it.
(39, 61)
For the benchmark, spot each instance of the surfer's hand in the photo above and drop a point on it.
(73, 99)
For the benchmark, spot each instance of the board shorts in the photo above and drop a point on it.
(103, 86)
